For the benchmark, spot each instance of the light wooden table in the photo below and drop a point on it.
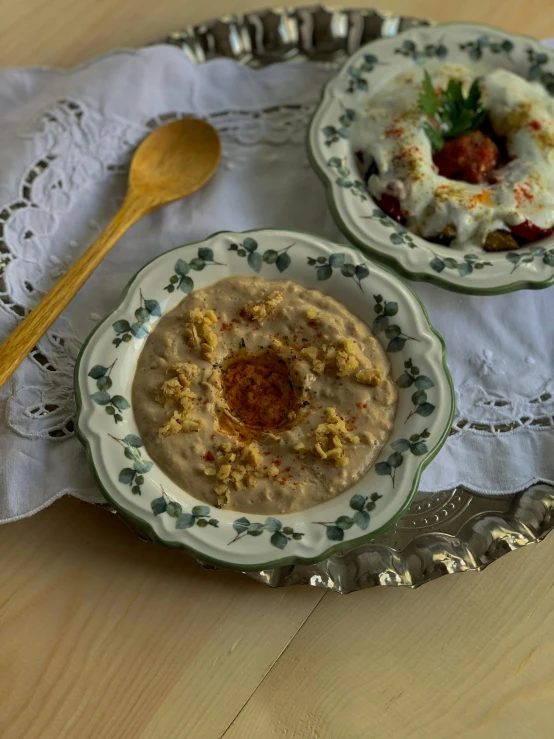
(104, 636)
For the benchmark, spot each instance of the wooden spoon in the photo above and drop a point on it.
(172, 162)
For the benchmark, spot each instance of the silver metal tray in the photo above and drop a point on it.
(442, 533)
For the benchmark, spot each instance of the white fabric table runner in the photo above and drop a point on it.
(65, 141)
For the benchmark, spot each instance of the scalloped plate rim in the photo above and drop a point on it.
(366, 247)
(295, 559)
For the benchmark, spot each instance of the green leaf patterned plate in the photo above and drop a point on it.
(147, 498)
(463, 269)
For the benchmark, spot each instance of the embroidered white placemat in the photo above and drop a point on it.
(65, 141)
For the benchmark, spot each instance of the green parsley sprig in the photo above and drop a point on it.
(455, 114)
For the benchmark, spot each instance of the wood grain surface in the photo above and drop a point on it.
(63, 33)
(104, 636)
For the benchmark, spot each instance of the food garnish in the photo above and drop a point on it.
(451, 112)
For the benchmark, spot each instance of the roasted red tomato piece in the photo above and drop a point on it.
(471, 158)
(391, 206)
(527, 231)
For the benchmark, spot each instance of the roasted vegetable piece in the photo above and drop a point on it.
(447, 234)
(527, 231)
(392, 207)
(500, 241)
(470, 158)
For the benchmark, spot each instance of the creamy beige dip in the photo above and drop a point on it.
(263, 396)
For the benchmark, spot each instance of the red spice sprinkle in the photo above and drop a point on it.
(225, 327)
(209, 457)
(235, 320)
(242, 313)
(302, 468)
(535, 125)
(266, 453)
(359, 405)
(206, 401)
(522, 191)
(526, 193)
(212, 436)
(277, 462)
(394, 131)
(312, 324)
(351, 423)
(365, 405)
(288, 469)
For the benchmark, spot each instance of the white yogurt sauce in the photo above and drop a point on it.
(390, 131)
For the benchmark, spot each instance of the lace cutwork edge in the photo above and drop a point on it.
(44, 194)
(67, 118)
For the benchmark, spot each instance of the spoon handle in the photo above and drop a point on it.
(14, 350)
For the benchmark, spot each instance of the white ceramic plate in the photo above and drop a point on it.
(141, 491)
(464, 269)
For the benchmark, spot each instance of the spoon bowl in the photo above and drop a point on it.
(175, 160)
